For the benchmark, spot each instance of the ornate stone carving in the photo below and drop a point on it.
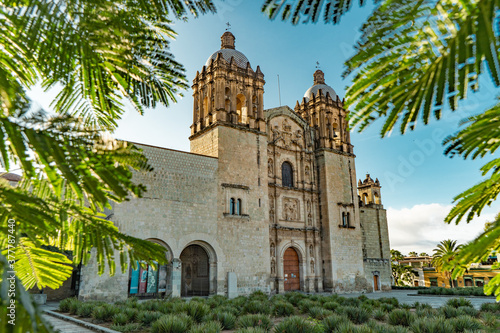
(272, 250)
(312, 266)
(270, 167)
(309, 214)
(273, 267)
(271, 208)
(311, 251)
(307, 174)
(291, 209)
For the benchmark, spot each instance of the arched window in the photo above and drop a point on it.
(287, 174)
(232, 206)
(238, 207)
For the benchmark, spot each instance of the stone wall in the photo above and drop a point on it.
(342, 247)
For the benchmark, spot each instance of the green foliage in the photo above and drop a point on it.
(449, 311)
(356, 315)
(131, 313)
(65, 304)
(308, 11)
(132, 327)
(490, 320)
(103, 313)
(85, 310)
(256, 306)
(490, 307)
(208, 327)
(73, 306)
(197, 310)
(251, 330)
(178, 323)
(379, 314)
(296, 324)
(255, 320)
(400, 317)
(305, 304)
(317, 312)
(431, 325)
(458, 302)
(282, 309)
(120, 319)
(148, 317)
(227, 319)
(331, 305)
(331, 323)
(465, 323)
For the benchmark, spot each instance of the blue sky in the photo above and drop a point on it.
(418, 181)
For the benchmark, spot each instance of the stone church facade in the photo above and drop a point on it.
(266, 199)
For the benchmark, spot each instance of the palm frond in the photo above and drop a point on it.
(480, 137)
(28, 317)
(416, 56)
(304, 11)
(472, 201)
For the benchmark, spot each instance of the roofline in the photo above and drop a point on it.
(170, 149)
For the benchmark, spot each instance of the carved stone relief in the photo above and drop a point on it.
(270, 167)
(291, 209)
(271, 208)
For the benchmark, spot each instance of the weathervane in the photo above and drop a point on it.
(317, 65)
(228, 26)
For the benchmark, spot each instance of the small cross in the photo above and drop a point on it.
(317, 64)
(228, 26)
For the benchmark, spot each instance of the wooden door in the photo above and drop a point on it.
(375, 282)
(291, 270)
(195, 271)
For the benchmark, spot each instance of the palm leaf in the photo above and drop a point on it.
(417, 56)
(28, 317)
(303, 11)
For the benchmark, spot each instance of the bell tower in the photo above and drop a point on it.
(227, 91)
(324, 111)
(369, 191)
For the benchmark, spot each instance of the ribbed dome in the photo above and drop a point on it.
(228, 51)
(324, 89)
(319, 83)
(240, 59)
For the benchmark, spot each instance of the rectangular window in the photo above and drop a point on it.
(434, 282)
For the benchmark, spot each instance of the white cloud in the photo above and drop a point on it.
(421, 227)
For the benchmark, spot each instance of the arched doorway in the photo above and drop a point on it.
(291, 269)
(195, 271)
(376, 283)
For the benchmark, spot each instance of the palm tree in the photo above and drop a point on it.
(414, 58)
(98, 53)
(444, 254)
(412, 254)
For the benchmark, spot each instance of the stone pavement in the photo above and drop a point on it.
(64, 326)
(434, 301)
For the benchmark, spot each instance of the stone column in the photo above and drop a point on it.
(176, 277)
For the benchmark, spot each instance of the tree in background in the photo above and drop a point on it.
(414, 58)
(412, 254)
(423, 254)
(98, 54)
(401, 275)
(444, 254)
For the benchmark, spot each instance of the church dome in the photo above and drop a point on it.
(319, 83)
(228, 51)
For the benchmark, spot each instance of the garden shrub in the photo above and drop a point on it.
(216, 301)
(132, 327)
(251, 330)
(120, 319)
(449, 311)
(151, 305)
(294, 297)
(172, 323)
(331, 323)
(73, 306)
(65, 304)
(389, 300)
(332, 305)
(258, 296)
(239, 301)
(131, 313)
(197, 310)
(490, 307)
(255, 307)
(317, 312)
(282, 309)
(255, 320)
(85, 310)
(208, 327)
(148, 317)
(467, 311)
(387, 307)
(356, 315)
(489, 319)
(431, 325)
(458, 302)
(379, 314)
(426, 312)
(465, 323)
(296, 324)
(103, 313)
(226, 319)
(305, 304)
(400, 317)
